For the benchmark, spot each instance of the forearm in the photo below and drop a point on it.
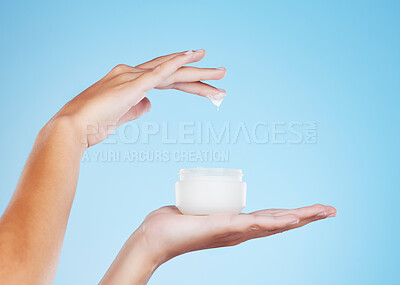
(32, 227)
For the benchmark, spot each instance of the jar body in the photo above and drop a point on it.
(210, 191)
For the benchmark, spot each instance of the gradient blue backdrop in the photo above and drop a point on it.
(333, 62)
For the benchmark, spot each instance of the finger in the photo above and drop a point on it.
(135, 112)
(304, 222)
(264, 212)
(275, 222)
(149, 80)
(246, 223)
(194, 74)
(157, 61)
(307, 212)
(259, 233)
(183, 74)
(198, 88)
(255, 232)
(302, 212)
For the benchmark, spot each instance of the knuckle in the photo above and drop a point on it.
(182, 56)
(319, 207)
(120, 68)
(294, 217)
(254, 227)
(157, 70)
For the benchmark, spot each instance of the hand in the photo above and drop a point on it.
(34, 223)
(119, 97)
(166, 233)
(171, 233)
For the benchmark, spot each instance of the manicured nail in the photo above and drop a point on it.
(199, 50)
(221, 68)
(294, 222)
(221, 90)
(189, 52)
(322, 214)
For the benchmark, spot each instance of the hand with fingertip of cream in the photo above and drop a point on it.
(120, 96)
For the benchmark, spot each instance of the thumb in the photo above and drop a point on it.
(135, 112)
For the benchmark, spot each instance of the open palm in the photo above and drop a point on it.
(170, 232)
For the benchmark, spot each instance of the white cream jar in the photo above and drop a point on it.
(204, 191)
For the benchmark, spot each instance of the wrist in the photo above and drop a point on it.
(64, 129)
(135, 263)
(139, 246)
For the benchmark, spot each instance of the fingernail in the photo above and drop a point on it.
(199, 50)
(322, 214)
(294, 222)
(221, 68)
(221, 90)
(189, 52)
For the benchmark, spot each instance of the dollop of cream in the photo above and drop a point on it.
(217, 99)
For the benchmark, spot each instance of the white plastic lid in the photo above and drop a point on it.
(201, 173)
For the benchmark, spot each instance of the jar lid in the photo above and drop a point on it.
(202, 173)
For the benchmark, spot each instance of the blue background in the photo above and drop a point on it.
(333, 62)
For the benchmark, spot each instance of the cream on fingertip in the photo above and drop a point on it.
(217, 99)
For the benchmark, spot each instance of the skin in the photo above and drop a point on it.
(166, 233)
(32, 228)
